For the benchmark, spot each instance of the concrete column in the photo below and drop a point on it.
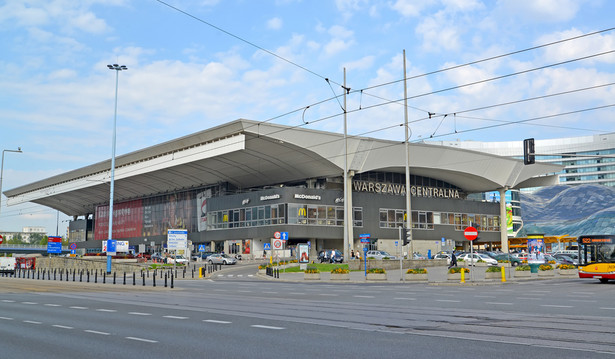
(503, 225)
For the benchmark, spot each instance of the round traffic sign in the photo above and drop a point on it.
(73, 246)
(1, 239)
(470, 233)
(277, 235)
(277, 244)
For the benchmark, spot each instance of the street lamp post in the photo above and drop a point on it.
(117, 69)
(2, 171)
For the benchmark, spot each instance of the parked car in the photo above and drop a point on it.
(514, 261)
(325, 256)
(473, 258)
(566, 259)
(379, 255)
(201, 255)
(178, 259)
(221, 258)
(443, 256)
(157, 257)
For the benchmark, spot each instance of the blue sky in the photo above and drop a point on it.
(209, 62)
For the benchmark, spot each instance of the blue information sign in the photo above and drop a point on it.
(284, 236)
(54, 245)
(266, 246)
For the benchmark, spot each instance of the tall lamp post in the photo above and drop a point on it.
(2, 171)
(117, 69)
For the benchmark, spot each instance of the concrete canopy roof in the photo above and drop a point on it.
(253, 154)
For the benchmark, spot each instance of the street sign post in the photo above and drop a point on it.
(471, 234)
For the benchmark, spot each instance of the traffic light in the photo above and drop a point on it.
(407, 236)
(528, 151)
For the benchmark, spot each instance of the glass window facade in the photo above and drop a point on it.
(393, 218)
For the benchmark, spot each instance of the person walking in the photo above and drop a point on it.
(453, 261)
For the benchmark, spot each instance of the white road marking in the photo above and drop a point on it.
(6, 318)
(32, 322)
(62, 326)
(556, 306)
(96, 332)
(498, 303)
(448, 300)
(8, 301)
(266, 327)
(80, 308)
(52, 305)
(142, 340)
(29, 303)
(607, 308)
(216, 321)
(106, 310)
(363, 296)
(405, 298)
(137, 313)
(174, 317)
(329, 295)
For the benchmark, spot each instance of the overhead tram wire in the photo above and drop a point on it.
(380, 85)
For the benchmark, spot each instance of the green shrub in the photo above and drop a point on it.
(376, 270)
(458, 270)
(544, 267)
(493, 269)
(523, 268)
(311, 269)
(417, 271)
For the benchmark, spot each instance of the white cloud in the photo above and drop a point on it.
(361, 64)
(88, 22)
(411, 8)
(274, 23)
(541, 10)
(439, 34)
(578, 48)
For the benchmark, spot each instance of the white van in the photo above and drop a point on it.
(7, 265)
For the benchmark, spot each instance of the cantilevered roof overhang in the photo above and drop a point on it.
(252, 154)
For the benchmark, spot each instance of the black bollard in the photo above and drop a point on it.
(113, 277)
(104, 277)
(73, 275)
(134, 279)
(96, 277)
(80, 276)
(143, 277)
(171, 280)
(165, 280)
(124, 278)
(154, 281)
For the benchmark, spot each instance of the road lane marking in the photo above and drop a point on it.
(485, 296)
(173, 317)
(62, 326)
(80, 308)
(216, 321)
(266, 327)
(363, 296)
(137, 313)
(293, 293)
(448, 300)
(29, 303)
(607, 308)
(52, 305)
(329, 295)
(32, 322)
(556, 306)
(96, 332)
(106, 310)
(8, 301)
(498, 303)
(142, 340)
(6, 318)
(405, 298)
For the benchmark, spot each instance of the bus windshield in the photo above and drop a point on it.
(596, 249)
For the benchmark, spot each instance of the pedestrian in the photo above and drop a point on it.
(352, 254)
(453, 261)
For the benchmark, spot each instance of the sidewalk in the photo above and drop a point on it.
(435, 275)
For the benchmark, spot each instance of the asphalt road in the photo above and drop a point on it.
(239, 315)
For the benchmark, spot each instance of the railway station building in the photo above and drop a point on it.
(232, 187)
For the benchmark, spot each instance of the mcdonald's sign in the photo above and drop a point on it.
(301, 212)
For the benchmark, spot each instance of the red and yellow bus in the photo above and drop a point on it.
(597, 257)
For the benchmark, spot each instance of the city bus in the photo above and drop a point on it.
(597, 257)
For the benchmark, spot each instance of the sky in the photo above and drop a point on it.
(476, 70)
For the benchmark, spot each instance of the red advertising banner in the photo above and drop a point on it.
(127, 220)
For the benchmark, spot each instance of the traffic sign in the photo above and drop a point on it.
(1, 239)
(284, 236)
(201, 248)
(470, 233)
(277, 235)
(54, 244)
(73, 246)
(277, 244)
(266, 246)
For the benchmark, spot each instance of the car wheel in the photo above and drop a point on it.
(514, 264)
(211, 262)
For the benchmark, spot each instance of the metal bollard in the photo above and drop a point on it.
(154, 281)
(104, 277)
(124, 278)
(134, 279)
(113, 277)
(165, 280)
(171, 281)
(143, 277)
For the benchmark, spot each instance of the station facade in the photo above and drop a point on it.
(232, 187)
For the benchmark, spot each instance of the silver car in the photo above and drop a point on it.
(219, 258)
(379, 255)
